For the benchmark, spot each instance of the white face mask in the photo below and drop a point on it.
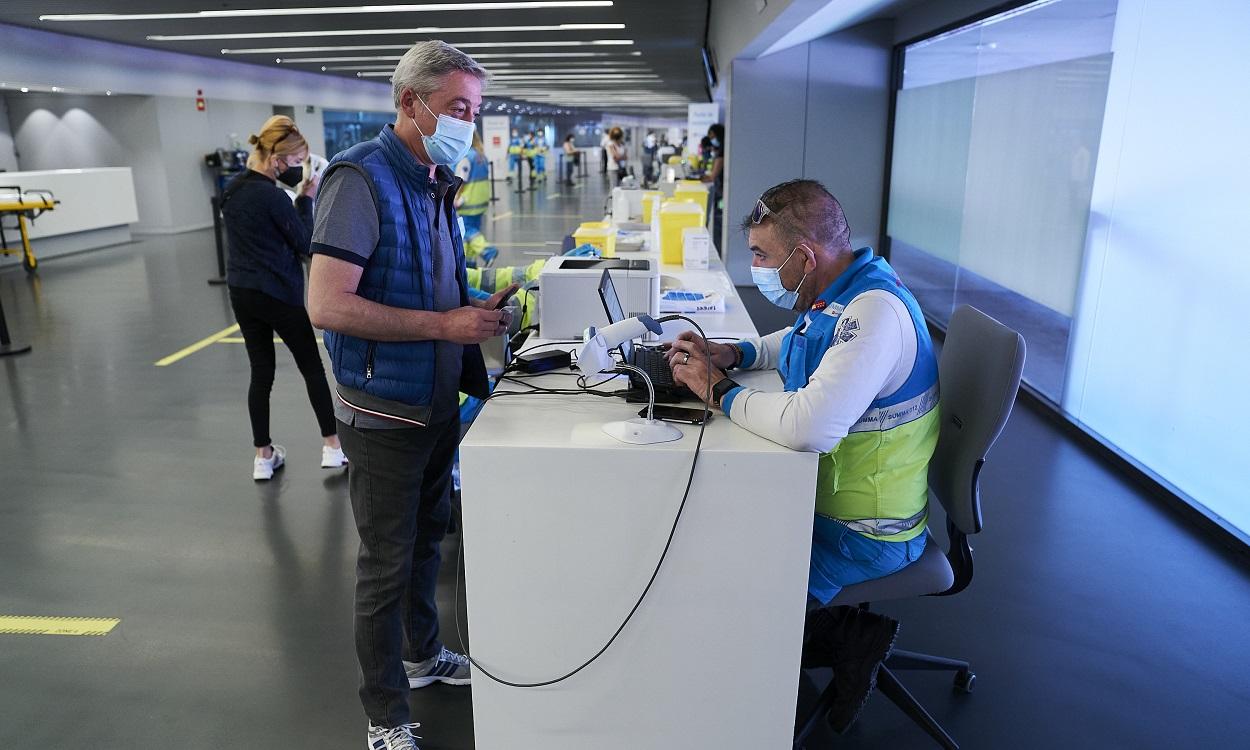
(768, 281)
(451, 140)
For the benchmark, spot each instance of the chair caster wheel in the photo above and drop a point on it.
(965, 681)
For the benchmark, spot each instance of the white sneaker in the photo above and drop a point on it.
(332, 458)
(263, 468)
(399, 738)
(448, 667)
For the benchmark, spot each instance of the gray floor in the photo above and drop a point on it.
(1095, 619)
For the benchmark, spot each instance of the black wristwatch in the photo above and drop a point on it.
(721, 388)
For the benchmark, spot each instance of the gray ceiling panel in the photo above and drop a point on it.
(666, 34)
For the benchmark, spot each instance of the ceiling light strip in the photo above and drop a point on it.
(327, 11)
(506, 68)
(382, 32)
(462, 45)
(526, 77)
(548, 58)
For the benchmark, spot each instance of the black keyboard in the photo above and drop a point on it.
(655, 364)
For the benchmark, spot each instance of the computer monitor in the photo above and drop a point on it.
(612, 306)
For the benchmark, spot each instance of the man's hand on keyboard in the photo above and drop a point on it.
(691, 369)
(691, 343)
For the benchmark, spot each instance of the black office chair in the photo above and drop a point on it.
(979, 375)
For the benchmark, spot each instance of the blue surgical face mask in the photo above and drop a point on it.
(451, 141)
(768, 281)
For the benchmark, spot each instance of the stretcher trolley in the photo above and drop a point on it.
(23, 205)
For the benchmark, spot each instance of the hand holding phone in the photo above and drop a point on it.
(505, 295)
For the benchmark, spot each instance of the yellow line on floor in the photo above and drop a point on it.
(554, 195)
(197, 346)
(503, 215)
(28, 625)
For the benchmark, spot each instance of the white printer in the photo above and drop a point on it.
(570, 292)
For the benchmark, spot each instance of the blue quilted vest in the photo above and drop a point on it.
(400, 273)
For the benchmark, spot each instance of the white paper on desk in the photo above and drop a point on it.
(709, 302)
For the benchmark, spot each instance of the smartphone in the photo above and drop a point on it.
(503, 301)
(678, 414)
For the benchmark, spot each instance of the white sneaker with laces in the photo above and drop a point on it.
(397, 738)
(332, 458)
(263, 468)
(449, 667)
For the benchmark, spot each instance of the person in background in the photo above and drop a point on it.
(605, 143)
(714, 176)
(616, 147)
(571, 156)
(269, 240)
(540, 156)
(860, 388)
(650, 146)
(388, 286)
(472, 202)
(528, 150)
(514, 153)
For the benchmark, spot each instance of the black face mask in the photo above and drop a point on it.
(291, 176)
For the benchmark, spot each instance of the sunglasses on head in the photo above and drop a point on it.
(761, 210)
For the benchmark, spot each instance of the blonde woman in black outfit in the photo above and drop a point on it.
(269, 240)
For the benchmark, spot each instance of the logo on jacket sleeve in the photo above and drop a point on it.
(848, 329)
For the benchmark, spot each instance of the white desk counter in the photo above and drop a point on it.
(96, 209)
(563, 526)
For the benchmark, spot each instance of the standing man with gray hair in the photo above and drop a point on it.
(387, 285)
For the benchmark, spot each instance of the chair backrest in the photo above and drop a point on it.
(979, 375)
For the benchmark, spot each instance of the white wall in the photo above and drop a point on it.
(1158, 359)
(158, 132)
(54, 131)
(186, 136)
(8, 153)
(162, 139)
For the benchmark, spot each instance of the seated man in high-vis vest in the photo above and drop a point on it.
(860, 388)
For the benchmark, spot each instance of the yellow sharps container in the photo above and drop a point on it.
(691, 190)
(650, 200)
(676, 215)
(597, 233)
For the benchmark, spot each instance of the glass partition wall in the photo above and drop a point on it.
(1070, 167)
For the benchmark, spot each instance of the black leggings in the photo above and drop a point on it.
(260, 317)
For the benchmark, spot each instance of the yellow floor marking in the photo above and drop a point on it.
(503, 215)
(26, 625)
(554, 195)
(197, 346)
(240, 340)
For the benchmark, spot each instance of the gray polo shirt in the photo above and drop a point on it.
(347, 220)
